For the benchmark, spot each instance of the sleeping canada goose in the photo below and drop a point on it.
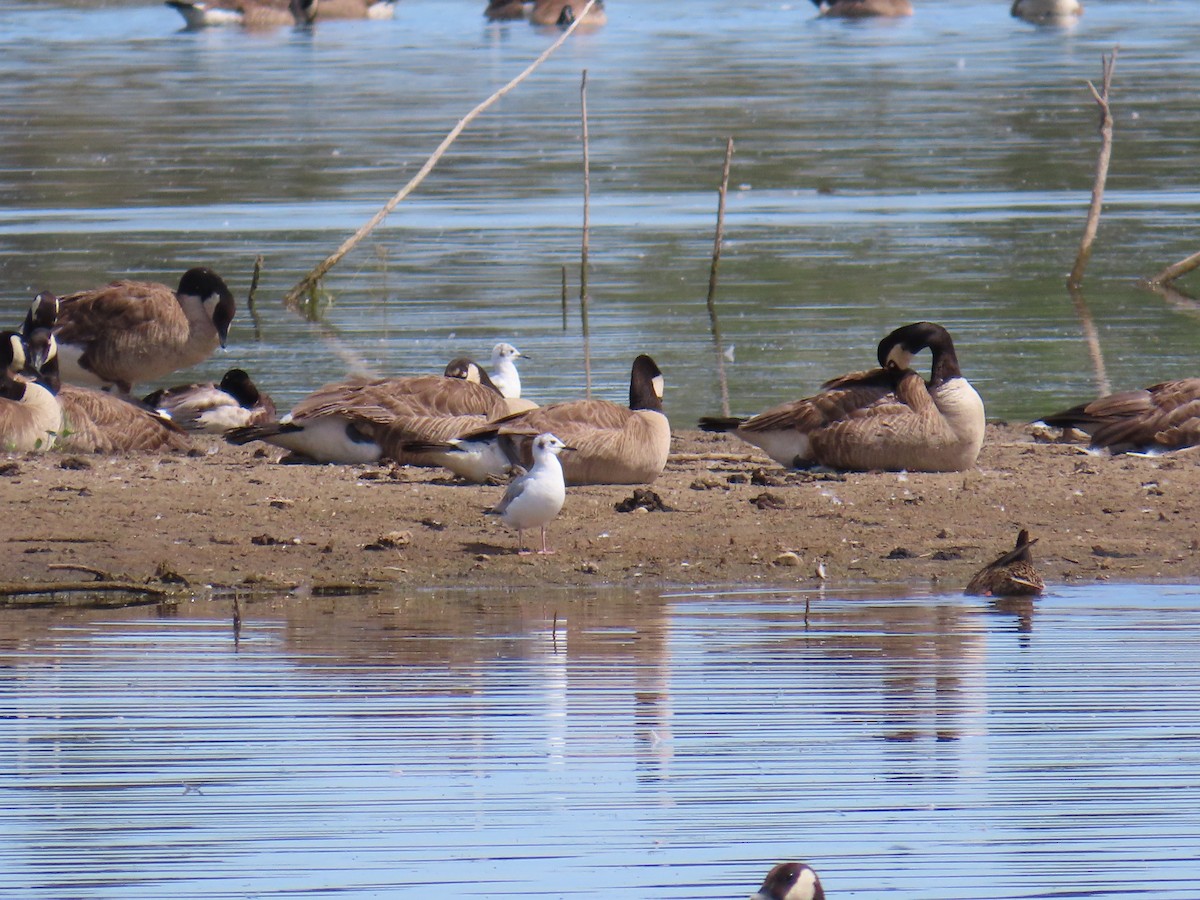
(562, 12)
(355, 9)
(133, 331)
(505, 376)
(886, 418)
(611, 444)
(214, 408)
(791, 881)
(1159, 418)
(863, 9)
(247, 13)
(347, 421)
(30, 417)
(98, 422)
(535, 498)
(1047, 11)
(507, 10)
(1012, 574)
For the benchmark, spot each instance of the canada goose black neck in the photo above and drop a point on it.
(910, 340)
(645, 385)
(205, 283)
(38, 330)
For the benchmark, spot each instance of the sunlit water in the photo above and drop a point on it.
(610, 745)
(937, 168)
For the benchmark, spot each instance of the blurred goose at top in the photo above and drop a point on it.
(247, 13)
(863, 9)
(1047, 12)
(234, 402)
(349, 421)
(134, 331)
(564, 12)
(1011, 574)
(1156, 419)
(886, 418)
(791, 881)
(610, 443)
(536, 497)
(30, 417)
(505, 376)
(507, 10)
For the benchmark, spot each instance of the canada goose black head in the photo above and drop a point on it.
(238, 385)
(38, 329)
(467, 369)
(208, 286)
(904, 343)
(13, 359)
(645, 385)
(791, 881)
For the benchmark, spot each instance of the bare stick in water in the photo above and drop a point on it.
(564, 297)
(583, 265)
(305, 285)
(250, 297)
(1177, 270)
(1075, 279)
(718, 344)
(1092, 338)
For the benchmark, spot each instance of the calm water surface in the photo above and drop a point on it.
(937, 167)
(612, 745)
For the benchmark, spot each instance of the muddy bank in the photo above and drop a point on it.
(233, 518)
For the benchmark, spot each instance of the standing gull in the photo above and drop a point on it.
(536, 497)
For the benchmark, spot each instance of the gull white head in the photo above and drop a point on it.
(504, 369)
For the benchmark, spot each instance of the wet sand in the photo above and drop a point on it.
(234, 518)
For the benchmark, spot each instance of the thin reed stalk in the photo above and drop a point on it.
(1108, 63)
(718, 343)
(584, 298)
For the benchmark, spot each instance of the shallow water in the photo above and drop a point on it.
(616, 745)
(885, 172)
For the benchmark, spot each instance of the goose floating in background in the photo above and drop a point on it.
(246, 13)
(564, 12)
(234, 402)
(348, 421)
(133, 331)
(30, 416)
(1159, 418)
(507, 10)
(532, 500)
(1047, 12)
(863, 9)
(887, 418)
(1011, 574)
(790, 881)
(610, 443)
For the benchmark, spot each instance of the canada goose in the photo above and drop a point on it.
(133, 331)
(1046, 11)
(536, 497)
(863, 9)
(214, 408)
(355, 9)
(791, 881)
(1012, 574)
(30, 417)
(507, 10)
(1159, 418)
(611, 444)
(347, 421)
(505, 376)
(887, 418)
(563, 12)
(38, 330)
(247, 13)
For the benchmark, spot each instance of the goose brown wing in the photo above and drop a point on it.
(839, 399)
(1165, 414)
(568, 419)
(98, 422)
(121, 307)
(434, 395)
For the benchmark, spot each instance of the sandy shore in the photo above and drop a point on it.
(233, 518)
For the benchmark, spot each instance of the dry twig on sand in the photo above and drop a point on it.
(1106, 134)
(309, 282)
